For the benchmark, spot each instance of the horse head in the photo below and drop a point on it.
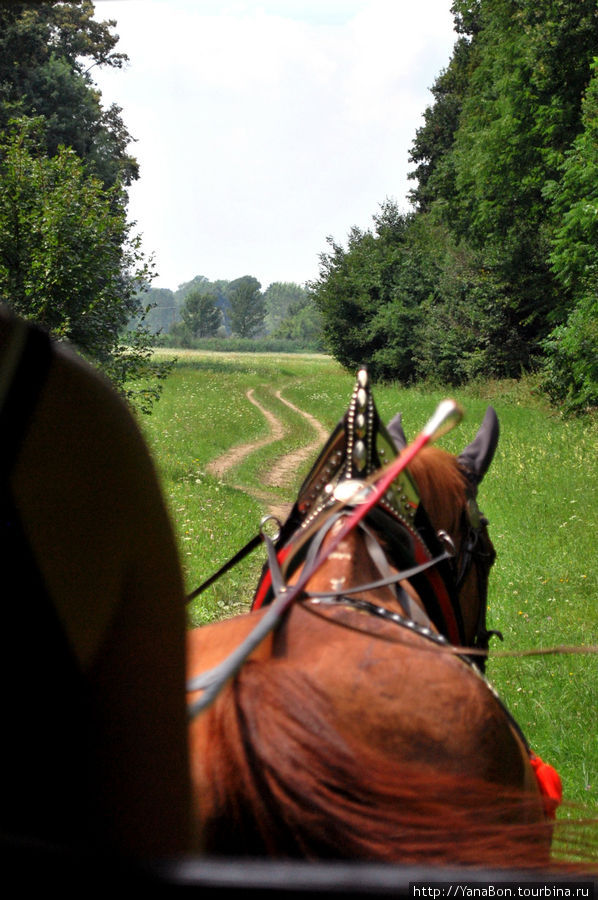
(427, 527)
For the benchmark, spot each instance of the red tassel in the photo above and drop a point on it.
(549, 782)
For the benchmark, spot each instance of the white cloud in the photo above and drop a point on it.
(263, 127)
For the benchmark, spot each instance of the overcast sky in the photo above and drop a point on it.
(263, 127)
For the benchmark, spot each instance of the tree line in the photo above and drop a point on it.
(201, 309)
(493, 270)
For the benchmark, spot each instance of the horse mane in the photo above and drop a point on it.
(442, 486)
(285, 783)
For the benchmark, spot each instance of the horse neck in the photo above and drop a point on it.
(353, 564)
(349, 565)
(443, 492)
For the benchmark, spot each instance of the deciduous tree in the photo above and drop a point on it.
(200, 314)
(47, 55)
(69, 259)
(279, 297)
(247, 306)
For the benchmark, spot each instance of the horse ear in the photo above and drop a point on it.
(395, 430)
(476, 458)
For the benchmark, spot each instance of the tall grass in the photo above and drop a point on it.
(541, 496)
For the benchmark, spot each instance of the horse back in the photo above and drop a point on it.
(329, 719)
(396, 690)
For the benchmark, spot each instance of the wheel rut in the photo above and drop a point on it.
(283, 471)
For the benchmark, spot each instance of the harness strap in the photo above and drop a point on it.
(278, 583)
(414, 612)
(379, 558)
(442, 601)
(384, 582)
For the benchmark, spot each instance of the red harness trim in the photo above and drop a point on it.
(549, 783)
(440, 591)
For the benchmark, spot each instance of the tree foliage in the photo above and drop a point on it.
(279, 297)
(368, 295)
(570, 369)
(493, 271)
(68, 256)
(200, 314)
(574, 201)
(302, 324)
(247, 306)
(47, 54)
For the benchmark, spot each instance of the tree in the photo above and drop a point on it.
(163, 310)
(279, 297)
(200, 314)
(501, 246)
(574, 203)
(217, 290)
(521, 112)
(432, 148)
(463, 330)
(302, 324)
(47, 51)
(368, 295)
(69, 259)
(490, 155)
(570, 370)
(247, 306)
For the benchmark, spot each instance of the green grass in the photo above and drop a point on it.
(541, 496)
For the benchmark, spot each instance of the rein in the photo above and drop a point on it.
(232, 562)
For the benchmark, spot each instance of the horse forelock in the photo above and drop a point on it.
(286, 783)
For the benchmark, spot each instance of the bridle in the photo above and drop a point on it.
(211, 682)
(475, 552)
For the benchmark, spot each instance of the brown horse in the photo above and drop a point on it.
(362, 726)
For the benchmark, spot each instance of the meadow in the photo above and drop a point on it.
(540, 496)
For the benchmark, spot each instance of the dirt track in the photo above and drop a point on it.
(285, 467)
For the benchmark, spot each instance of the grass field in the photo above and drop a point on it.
(540, 496)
